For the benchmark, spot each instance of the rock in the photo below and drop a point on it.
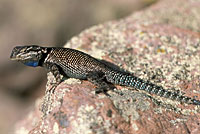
(76, 109)
(153, 50)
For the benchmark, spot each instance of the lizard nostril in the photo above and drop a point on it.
(12, 54)
(15, 53)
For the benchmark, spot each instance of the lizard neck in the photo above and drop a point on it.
(44, 56)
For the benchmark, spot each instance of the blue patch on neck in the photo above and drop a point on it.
(32, 63)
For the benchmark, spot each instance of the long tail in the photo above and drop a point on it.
(132, 81)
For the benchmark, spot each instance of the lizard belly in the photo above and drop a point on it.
(76, 75)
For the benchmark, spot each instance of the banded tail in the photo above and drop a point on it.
(132, 81)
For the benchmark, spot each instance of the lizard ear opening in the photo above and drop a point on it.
(44, 50)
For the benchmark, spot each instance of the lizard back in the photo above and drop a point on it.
(74, 63)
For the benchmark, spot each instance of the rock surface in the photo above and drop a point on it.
(154, 46)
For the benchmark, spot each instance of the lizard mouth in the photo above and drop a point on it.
(14, 58)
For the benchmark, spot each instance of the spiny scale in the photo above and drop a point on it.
(74, 63)
(80, 65)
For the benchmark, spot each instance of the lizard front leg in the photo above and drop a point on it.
(46, 106)
(54, 69)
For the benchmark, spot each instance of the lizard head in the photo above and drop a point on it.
(29, 55)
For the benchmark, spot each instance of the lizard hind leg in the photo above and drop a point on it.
(98, 79)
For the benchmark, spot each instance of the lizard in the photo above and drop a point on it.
(77, 64)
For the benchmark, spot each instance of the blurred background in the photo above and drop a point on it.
(47, 23)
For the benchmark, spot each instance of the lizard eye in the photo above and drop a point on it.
(23, 50)
(29, 49)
